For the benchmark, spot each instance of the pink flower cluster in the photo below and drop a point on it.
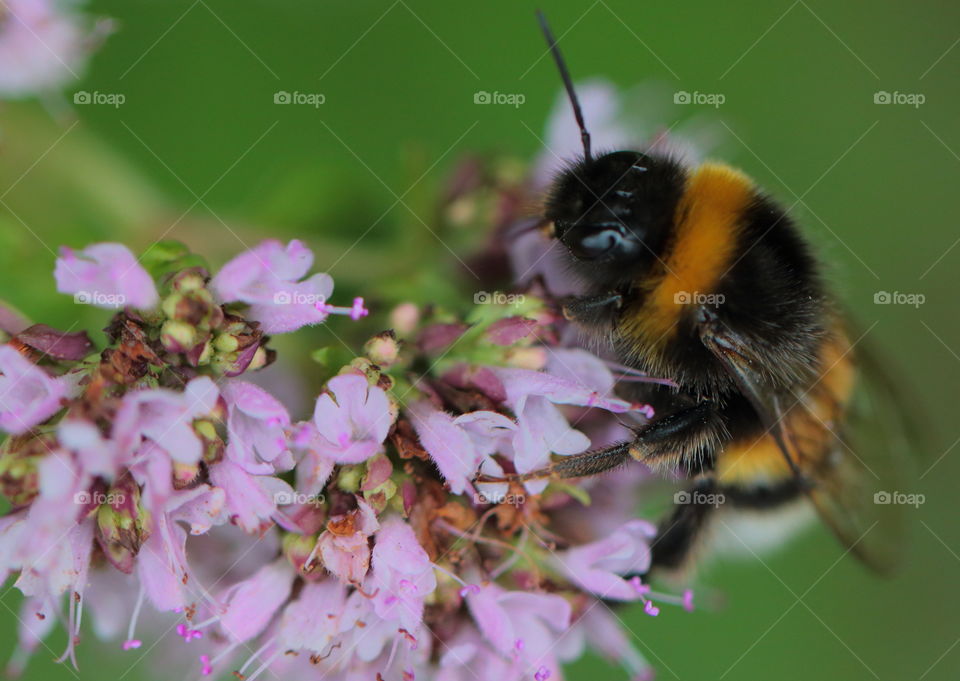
(157, 487)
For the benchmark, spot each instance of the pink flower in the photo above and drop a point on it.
(313, 621)
(523, 383)
(582, 368)
(522, 624)
(601, 629)
(165, 417)
(542, 428)
(51, 542)
(96, 455)
(598, 566)
(28, 395)
(251, 500)
(162, 567)
(162, 573)
(402, 575)
(38, 539)
(269, 278)
(42, 46)
(251, 604)
(256, 424)
(352, 419)
(460, 446)
(344, 546)
(105, 275)
(314, 466)
(468, 653)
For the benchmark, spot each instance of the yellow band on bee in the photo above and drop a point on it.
(707, 223)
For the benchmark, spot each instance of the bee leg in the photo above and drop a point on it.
(576, 466)
(679, 532)
(668, 435)
(592, 310)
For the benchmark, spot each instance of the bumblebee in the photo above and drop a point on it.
(697, 275)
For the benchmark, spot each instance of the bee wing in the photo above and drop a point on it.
(853, 498)
(849, 479)
(858, 493)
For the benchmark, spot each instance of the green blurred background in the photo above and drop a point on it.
(200, 152)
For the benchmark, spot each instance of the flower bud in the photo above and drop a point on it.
(383, 349)
(178, 336)
(404, 318)
(380, 496)
(122, 524)
(226, 343)
(185, 474)
(350, 477)
(297, 549)
(19, 458)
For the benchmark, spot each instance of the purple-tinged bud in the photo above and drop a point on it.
(380, 496)
(54, 343)
(378, 472)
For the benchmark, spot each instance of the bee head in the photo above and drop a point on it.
(617, 208)
(614, 209)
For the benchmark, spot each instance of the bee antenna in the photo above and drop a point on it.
(567, 83)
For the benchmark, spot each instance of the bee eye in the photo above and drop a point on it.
(589, 243)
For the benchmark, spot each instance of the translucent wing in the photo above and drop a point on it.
(836, 439)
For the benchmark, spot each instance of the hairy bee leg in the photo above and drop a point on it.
(663, 436)
(679, 532)
(576, 466)
(592, 310)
